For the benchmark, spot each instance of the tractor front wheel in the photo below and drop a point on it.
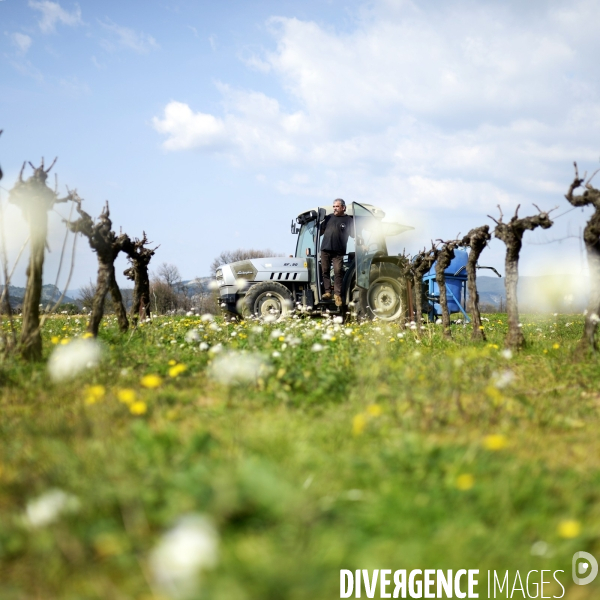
(268, 301)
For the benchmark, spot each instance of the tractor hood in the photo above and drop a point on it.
(275, 268)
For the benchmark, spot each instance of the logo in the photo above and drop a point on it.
(584, 564)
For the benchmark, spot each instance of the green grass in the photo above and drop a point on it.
(372, 453)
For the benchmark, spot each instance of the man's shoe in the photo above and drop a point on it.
(327, 296)
(338, 300)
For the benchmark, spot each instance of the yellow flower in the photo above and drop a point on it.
(94, 393)
(87, 335)
(281, 338)
(64, 341)
(55, 339)
(465, 481)
(126, 395)
(138, 408)
(569, 528)
(359, 423)
(481, 327)
(151, 381)
(176, 370)
(374, 410)
(172, 363)
(495, 442)
(556, 346)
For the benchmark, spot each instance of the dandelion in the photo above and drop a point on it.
(94, 393)
(181, 555)
(191, 336)
(172, 362)
(374, 410)
(150, 381)
(276, 334)
(495, 442)
(66, 362)
(87, 335)
(46, 509)
(569, 529)
(234, 368)
(555, 346)
(465, 481)
(339, 320)
(207, 317)
(503, 379)
(203, 346)
(276, 354)
(359, 422)
(55, 339)
(126, 396)
(138, 408)
(317, 347)
(177, 370)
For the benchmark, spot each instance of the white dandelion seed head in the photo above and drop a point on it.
(276, 354)
(192, 335)
(276, 333)
(183, 552)
(214, 326)
(338, 320)
(232, 368)
(317, 347)
(216, 349)
(203, 346)
(49, 506)
(66, 362)
(506, 353)
(503, 379)
(207, 317)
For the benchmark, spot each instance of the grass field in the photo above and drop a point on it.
(264, 459)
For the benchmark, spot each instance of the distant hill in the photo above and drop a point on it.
(50, 295)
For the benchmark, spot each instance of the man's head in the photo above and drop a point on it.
(339, 207)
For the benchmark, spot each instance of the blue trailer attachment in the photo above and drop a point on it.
(456, 287)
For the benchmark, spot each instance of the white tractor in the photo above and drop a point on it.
(271, 289)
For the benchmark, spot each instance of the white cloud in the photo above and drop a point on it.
(53, 13)
(451, 106)
(21, 41)
(128, 38)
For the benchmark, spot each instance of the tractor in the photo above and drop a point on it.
(375, 284)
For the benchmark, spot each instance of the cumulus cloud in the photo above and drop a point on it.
(445, 106)
(126, 37)
(53, 13)
(21, 41)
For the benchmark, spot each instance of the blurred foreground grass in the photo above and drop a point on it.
(310, 446)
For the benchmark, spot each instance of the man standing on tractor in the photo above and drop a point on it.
(335, 229)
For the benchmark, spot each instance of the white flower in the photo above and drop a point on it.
(338, 319)
(276, 354)
(438, 322)
(257, 329)
(506, 353)
(207, 317)
(276, 333)
(348, 330)
(214, 327)
(68, 361)
(400, 335)
(317, 347)
(203, 346)
(501, 380)
(234, 368)
(326, 336)
(594, 318)
(49, 506)
(216, 349)
(178, 559)
(192, 335)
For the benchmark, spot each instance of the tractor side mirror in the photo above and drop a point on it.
(295, 228)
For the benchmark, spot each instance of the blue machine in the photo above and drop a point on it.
(456, 286)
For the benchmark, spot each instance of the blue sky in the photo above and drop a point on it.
(210, 125)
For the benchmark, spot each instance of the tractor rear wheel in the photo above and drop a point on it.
(386, 299)
(268, 301)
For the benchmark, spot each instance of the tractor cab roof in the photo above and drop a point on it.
(309, 215)
(389, 229)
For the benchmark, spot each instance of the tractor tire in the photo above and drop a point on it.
(268, 301)
(387, 296)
